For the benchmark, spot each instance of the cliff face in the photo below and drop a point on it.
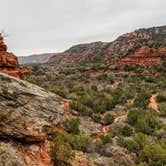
(149, 44)
(9, 62)
(144, 56)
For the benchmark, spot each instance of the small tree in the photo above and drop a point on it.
(154, 155)
(108, 119)
(62, 153)
(142, 100)
(72, 125)
(126, 130)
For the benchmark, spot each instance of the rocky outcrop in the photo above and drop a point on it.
(28, 116)
(9, 62)
(144, 56)
(28, 112)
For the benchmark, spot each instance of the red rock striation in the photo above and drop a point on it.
(9, 62)
(144, 56)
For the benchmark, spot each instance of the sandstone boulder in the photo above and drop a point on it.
(8, 60)
(27, 112)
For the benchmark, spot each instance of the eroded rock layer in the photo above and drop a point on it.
(144, 56)
(9, 62)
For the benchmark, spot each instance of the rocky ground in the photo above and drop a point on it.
(29, 115)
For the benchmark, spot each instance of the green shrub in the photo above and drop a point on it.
(77, 142)
(145, 121)
(161, 98)
(162, 109)
(61, 152)
(102, 77)
(92, 102)
(96, 118)
(150, 151)
(154, 155)
(93, 87)
(83, 143)
(114, 130)
(59, 92)
(143, 164)
(128, 68)
(112, 81)
(118, 130)
(81, 108)
(72, 126)
(105, 139)
(142, 100)
(135, 144)
(126, 130)
(127, 143)
(108, 119)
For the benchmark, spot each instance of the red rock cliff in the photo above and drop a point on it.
(144, 56)
(9, 62)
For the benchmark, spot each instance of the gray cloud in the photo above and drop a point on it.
(37, 26)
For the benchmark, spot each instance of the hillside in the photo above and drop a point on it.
(39, 58)
(138, 47)
(150, 43)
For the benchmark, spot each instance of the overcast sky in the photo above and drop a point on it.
(40, 26)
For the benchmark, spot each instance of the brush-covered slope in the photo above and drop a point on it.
(144, 43)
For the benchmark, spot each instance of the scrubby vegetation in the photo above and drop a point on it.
(144, 121)
(117, 101)
(72, 126)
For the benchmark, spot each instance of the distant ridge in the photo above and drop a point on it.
(149, 44)
(36, 58)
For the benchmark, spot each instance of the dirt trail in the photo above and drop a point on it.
(104, 129)
(153, 104)
(117, 119)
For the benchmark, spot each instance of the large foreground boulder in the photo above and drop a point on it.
(27, 112)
